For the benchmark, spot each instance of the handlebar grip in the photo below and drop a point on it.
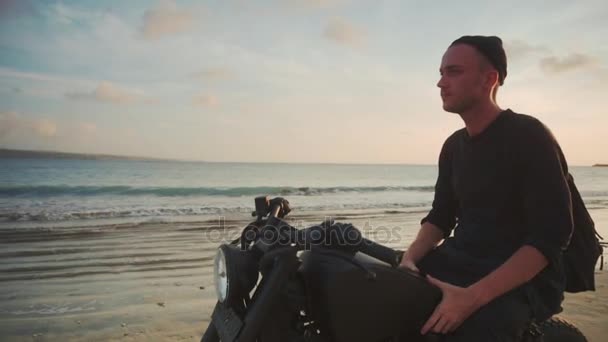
(275, 211)
(380, 252)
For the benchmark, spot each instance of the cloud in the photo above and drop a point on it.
(205, 100)
(70, 15)
(602, 74)
(8, 123)
(41, 77)
(214, 74)
(520, 48)
(316, 3)
(555, 65)
(343, 32)
(87, 129)
(165, 19)
(44, 128)
(12, 123)
(107, 92)
(16, 8)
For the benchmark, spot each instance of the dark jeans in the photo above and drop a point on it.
(503, 319)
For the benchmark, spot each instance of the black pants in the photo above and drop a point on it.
(502, 320)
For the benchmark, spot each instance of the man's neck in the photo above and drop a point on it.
(477, 119)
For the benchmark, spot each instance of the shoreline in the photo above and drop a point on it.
(153, 281)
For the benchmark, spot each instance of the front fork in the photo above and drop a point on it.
(227, 326)
(211, 334)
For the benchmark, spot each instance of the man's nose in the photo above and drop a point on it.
(441, 83)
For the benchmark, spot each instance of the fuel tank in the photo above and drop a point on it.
(350, 305)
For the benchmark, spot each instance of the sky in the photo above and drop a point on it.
(327, 81)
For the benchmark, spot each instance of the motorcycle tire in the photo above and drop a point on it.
(211, 334)
(558, 329)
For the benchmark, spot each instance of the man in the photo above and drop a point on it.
(502, 190)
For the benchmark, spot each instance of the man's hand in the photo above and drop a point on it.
(457, 304)
(409, 265)
(428, 237)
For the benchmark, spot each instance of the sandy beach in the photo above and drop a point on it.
(153, 281)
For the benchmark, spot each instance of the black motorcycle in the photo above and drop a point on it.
(325, 283)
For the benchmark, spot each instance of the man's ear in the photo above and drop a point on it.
(491, 81)
(492, 78)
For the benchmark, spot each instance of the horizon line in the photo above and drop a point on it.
(6, 153)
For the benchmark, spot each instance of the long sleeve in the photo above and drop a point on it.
(443, 212)
(547, 206)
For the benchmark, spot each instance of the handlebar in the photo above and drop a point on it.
(336, 236)
(380, 252)
(343, 237)
(276, 207)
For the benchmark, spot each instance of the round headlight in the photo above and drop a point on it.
(235, 273)
(220, 275)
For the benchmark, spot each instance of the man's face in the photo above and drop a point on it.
(462, 79)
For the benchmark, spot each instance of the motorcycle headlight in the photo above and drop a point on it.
(235, 273)
(220, 275)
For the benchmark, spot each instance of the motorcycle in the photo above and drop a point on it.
(325, 283)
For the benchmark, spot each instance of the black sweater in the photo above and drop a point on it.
(502, 189)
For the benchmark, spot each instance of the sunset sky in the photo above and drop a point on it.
(333, 81)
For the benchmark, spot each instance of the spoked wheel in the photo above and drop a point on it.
(557, 329)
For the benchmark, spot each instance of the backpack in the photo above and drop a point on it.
(584, 249)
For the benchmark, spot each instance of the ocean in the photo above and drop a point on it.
(62, 192)
(97, 250)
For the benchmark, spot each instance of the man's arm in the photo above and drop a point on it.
(547, 213)
(548, 217)
(459, 303)
(428, 237)
(520, 268)
(440, 221)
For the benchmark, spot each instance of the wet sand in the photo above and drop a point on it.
(153, 281)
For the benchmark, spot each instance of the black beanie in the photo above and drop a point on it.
(491, 48)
